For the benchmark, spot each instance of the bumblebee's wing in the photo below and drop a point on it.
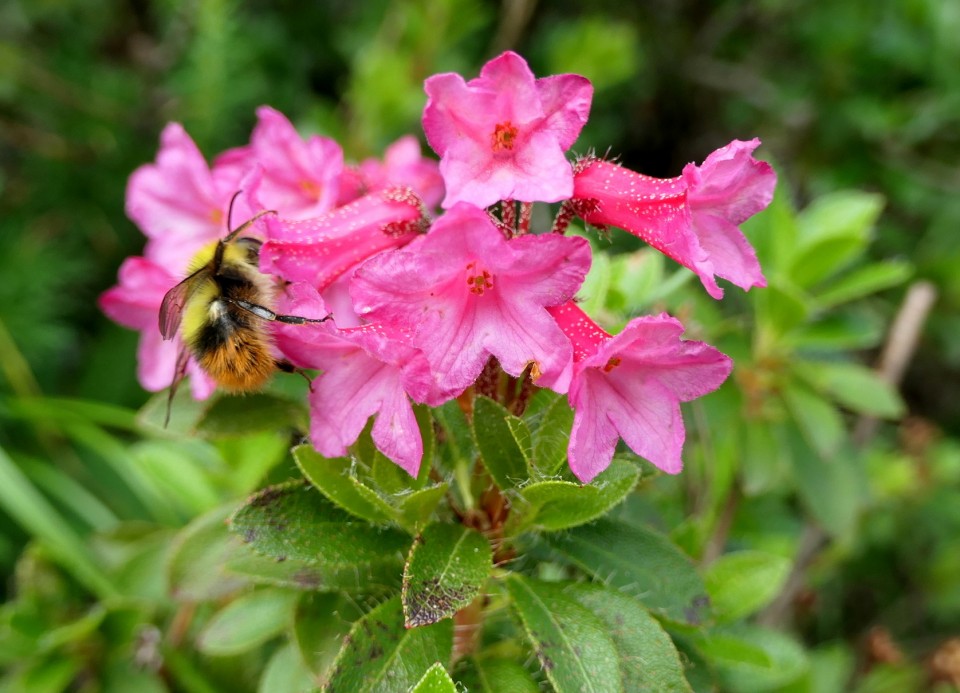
(171, 309)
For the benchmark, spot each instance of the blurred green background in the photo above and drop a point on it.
(852, 94)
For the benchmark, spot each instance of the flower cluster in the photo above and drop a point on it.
(426, 283)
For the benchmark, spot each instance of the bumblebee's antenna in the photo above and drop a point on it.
(230, 210)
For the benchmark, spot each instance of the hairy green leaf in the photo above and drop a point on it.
(445, 571)
(380, 654)
(436, 680)
(573, 646)
(333, 478)
(648, 658)
(556, 505)
(500, 451)
(494, 675)
(640, 562)
(294, 520)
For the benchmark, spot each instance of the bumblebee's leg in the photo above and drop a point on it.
(288, 367)
(267, 314)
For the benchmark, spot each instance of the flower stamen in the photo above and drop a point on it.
(504, 136)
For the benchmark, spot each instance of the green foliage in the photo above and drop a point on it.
(121, 571)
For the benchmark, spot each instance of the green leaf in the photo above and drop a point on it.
(454, 438)
(320, 623)
(368, 578)
(30, 510)
(741, 583)
(286, 672)
(196, 571)
(765, 463)
(381, 655)
(247, 622)
(780, 307)
(833, 230)
(185, 412)
(556, 505)
(831, 488)
(333, 478)
(640, 562)
(839, 332)
(417, 508)
(492, 675)
(294, 520)
(388, 476)
(252, 457)
(552, 438)
(864, 282)
(573, 645)
(500, 451)
(429, 438)
(177, 473)
(446, 569)
(596, 285)
(436, 680)
(749, 658)
(649, 661)
(853, 386)
(819, 420)
(253, 413)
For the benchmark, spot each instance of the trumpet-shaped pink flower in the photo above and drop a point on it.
(692, 218)
(630, 386)
(319, 250)
(366, 372)
(301, 177)
(465, 293)
(177, 201)
(135, 303)
(502, 136)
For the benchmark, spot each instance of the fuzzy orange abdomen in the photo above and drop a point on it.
(241, 363)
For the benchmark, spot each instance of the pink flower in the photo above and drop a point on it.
(300, 176)
(178, 202)
(465, 293)
(135, 303)
(630, 386)
(366, 372)
(319, 250)
(502, 136)
(692, 218)
(402, 165)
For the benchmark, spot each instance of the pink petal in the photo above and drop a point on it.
(319, 250)
(655, 210)
(300, 176)
(566, 103)
(503, 134)
(176, 201)
(731, 255)
(426, 288)
(403, 164)
(135, 301)
(731, 183)
(633, 385)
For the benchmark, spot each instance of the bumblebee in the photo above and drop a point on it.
(222, 309)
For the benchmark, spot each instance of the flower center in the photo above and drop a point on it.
(311, 188)
(479, 280)
(503, 136)
(611, 364)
